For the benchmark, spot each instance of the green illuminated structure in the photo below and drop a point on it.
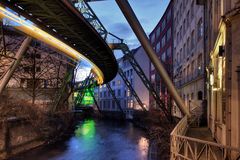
(87, 99)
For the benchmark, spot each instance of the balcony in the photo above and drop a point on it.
(196, 143)
(187, 79)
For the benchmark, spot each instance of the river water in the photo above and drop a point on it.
(96, 140)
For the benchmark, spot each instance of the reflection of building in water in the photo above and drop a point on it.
(86, 130)
(143, 146)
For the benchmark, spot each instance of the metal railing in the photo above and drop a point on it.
(188, 148)
(191, 77)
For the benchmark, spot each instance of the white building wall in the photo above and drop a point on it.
(127, 101)
(139, 87)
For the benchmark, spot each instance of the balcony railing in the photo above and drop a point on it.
(186, 79)
(188, 148)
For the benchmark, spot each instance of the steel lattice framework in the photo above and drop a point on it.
(40, 74)
(62, 20)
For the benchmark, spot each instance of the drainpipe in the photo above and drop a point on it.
(238, 79)
(15, 64)
(142, 37)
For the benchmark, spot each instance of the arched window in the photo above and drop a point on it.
(200, 95)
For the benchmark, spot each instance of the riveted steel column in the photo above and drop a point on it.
(14, 65)
(142, 37)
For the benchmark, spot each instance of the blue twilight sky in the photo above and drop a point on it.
(148, 12)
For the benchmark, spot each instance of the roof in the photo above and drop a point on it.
(63, 21)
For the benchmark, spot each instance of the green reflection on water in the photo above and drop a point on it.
(86, 130)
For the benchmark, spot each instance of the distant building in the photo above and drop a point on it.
(162, 41)
(40, 74)
(188, 53)
(123, 94)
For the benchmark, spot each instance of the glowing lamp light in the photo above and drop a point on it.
(211, 79)
(35, 32)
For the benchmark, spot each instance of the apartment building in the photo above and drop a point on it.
(40, 74)
(221, 136)
(162, 41)
(188, 53)
(223, 85)
(122, 92)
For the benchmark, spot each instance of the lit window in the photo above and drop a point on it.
(119, 82)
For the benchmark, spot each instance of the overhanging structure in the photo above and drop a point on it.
(62, 20)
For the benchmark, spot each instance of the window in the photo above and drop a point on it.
(105, 93)
(163, 24)
(113, 83)
(188, 18)
(128, 93)
(192, 39)
(192, 9)
(192, 66)
(38, 56)
(158, 32)
(131, 72)
(181, 34)
(184, 50)
(153, 38)
(178, 60)
(169, 52)
(169, 15)
(177, 37)
(163, 41)
(200, 29)
(181, 9)
(38, 69)
(188, 45)
(169, 34)
(199, 63)
(118, 82)
(181, 54)
(184, 26)
(200, 95)
(113, 104)
(119, 92)
(158, 47)
(163, 57)
(188, 70)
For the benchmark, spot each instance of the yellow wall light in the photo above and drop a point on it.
(35, 32)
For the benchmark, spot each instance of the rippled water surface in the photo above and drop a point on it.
(96, 140)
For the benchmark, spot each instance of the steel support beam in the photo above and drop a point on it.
(130, 87)
(15, 63)
(115, 98)
(142, 37)
(137, 68)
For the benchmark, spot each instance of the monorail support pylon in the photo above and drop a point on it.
(18, 57)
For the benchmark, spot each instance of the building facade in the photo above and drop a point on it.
(223, 48)
(40, 74)
(123, 94)
(162, 41)
(188, 53)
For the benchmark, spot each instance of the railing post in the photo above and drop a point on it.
(15, 64)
